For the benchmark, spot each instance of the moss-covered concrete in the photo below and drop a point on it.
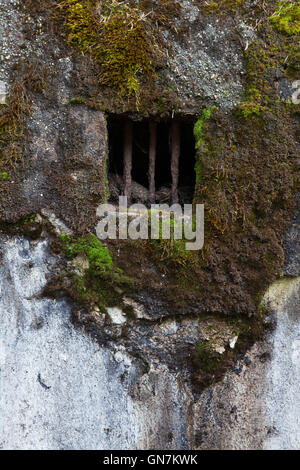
(246, 173)
(100, 282)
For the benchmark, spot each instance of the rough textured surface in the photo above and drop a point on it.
(206, 64)
(63, 165)
(283, 377)
(231, 415)
(11, 37)
(257, 404)
(60, 389)
(292, 246)
(75, 377)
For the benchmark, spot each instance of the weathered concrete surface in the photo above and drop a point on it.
(59, 389)
(65, 146)
(283, 377)
(206, 63)
(230, 415)
(63, 166)
(12, 38)
(257, 404)
(292, 245)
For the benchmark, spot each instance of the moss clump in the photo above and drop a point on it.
(252, 106)
(4, 175)
(116, 36)
(12, 118)
(265, 57)
(293, 61)
(173, 253)
(198, 128)
(286, 19)
(99, 258)
(126, 53)
(78, 100)
(98, 282)
(262, 58)
(230, 6)
(209, 358)
(208, 366)
(199, 137)
(29, 78)
(268, 54)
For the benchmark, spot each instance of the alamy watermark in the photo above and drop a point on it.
(161, 221)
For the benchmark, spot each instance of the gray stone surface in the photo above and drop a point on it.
(65, 147)
(12, 38)
(283, 377)
(257, 404)
(60, 389)
(292, 245)
(3, 92)
(206, 63)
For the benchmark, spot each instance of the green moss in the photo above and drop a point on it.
(252, 106)
(199, 137)
(209, 358)
(173, 253)
(293, 61)
(286, 19)
(100, 260)
(261, 62)
(266, 55)
(4, 176)
(77, 100)
(97, 285)
(125, 52)
(198, 128)
(269, 53)
(116, 37)
(221, 5)
(199, 171)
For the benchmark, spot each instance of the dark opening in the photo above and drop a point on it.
(140, 156)
(187, 175)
